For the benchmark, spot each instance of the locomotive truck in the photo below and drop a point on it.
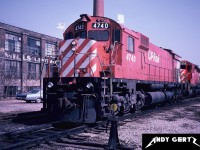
(106, 68)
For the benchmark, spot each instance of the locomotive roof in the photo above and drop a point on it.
(196, 66)
(125, 29)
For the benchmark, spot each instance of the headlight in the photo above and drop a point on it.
(74, 49)
(90, 86)
(50, 85)
(73, 43)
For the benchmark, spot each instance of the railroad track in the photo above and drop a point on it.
(54, 135)
(22, 116)
(51, 135)
(32, 136)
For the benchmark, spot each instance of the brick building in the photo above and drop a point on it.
(24, 59)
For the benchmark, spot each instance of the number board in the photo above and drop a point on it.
(79, 27)
(100, 25)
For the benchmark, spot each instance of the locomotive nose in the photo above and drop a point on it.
(82, 58)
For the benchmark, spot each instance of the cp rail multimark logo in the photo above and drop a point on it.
(171, 141)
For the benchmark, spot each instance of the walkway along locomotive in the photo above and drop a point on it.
(107, 68)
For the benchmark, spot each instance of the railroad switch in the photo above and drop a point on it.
(113, 142)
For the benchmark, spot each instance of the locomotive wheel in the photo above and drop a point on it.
(132, 109)
(121, 111)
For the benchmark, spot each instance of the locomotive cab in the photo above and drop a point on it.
(186, 71)
(190, 78)
(96, 37)
(94, 28)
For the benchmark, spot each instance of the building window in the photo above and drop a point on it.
(12, 43)
(33, 71)
(48, 70)
(10, 91)
(34, 47)
(33, 88)
(130, 42)
(50, 49)
(12, 69)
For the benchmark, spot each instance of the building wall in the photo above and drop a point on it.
(24, 58)
(2, 43)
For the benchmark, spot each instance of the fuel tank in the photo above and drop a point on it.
(154, 97)
(169, 95)
(196, 92)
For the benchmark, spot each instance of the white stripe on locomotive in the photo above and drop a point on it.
(78, 57)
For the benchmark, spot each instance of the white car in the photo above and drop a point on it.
(34, 95)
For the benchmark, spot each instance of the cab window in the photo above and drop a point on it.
(115, 35)
(81, 34)
(189, 68)
(130, 43)
(98, 35)
(183, 65)
(69, 35)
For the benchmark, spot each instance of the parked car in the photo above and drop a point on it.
(35, 95)
(21, 96)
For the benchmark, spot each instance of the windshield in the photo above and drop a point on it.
(34, 91)
(82, 34)
(69, 35)
(98, 35)
(183, 65)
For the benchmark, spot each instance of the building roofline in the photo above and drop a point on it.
(20, 30)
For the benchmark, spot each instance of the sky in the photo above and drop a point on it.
(172, 24)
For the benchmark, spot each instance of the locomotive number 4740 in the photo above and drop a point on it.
(100, 25)
(131, 57)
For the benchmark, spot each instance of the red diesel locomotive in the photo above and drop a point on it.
(107, 68)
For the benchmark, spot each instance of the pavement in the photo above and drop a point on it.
(13, 106)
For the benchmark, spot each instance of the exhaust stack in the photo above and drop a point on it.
(98, 8)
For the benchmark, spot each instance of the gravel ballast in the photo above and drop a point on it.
(182, 117)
